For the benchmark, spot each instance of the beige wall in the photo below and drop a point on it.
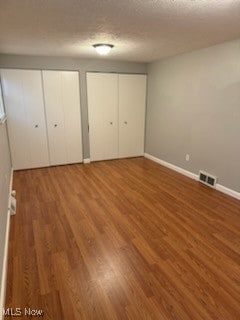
(194, 108)
(5, 172)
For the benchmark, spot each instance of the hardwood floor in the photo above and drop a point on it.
(123, 239)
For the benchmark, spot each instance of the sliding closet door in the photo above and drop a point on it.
(23, 97)
(62, 102)
(132, 104)
(102, 92)
(72, 116)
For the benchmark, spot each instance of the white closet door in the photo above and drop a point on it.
(62, 102)
(132, 104)
(23, 97)
(102, 92)
(72, 116)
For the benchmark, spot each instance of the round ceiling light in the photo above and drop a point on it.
(103, 48)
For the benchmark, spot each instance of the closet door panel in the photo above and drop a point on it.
(62, 101)
(132, 104)
(55, 116)
(35, 113)
(72, 116)
(23, 98)
(102, 89)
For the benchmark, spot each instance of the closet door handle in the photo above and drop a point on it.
(111, 123)
(55, 125)
(36, 125)
(125, 122)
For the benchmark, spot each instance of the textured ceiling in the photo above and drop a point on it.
(143, 30)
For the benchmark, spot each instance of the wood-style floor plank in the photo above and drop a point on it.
(123, 239)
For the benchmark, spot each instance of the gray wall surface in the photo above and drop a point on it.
(5, 172)
(81, 65)
(194, 108)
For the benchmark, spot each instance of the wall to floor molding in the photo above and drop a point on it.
(3, 287)
(5, 179)
(192, 175)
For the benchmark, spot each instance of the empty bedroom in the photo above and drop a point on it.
(120, 159)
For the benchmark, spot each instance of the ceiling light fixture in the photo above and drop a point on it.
(103, 48)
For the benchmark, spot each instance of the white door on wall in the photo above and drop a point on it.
(102, 93)
(23, 97)
(62, 102)
(132, 104)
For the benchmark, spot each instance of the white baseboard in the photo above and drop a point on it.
(191, 175)
(228, 191)
(4, 271)
(172, 166)
(5, 256)
(87, 160)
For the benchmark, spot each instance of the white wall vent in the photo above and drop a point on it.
(207, 179)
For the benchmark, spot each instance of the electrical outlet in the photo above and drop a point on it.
(187, 157)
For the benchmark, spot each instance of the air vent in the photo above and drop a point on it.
(207, 179)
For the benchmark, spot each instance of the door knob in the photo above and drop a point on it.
(55, 125)
(36, 125)
(125, 122)
(111, 123)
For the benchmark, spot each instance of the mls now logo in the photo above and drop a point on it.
(18, 312)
